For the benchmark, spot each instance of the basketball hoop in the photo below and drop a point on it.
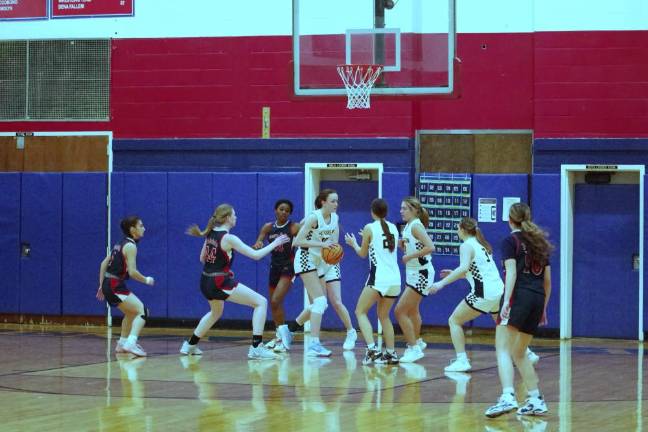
(358, 80)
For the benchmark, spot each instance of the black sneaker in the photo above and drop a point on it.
(371, 356)
(387, 358)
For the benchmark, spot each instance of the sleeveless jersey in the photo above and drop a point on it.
(483, 276)
(282, 255)
(117, 266)
(530, 274)
(383, 263)
(323, 231)
(412, 245)
(216, 259)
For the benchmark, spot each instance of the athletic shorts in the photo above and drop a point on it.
(330, 273)
(526, 312)
(489, 306)
(111, 287)
(306, 262)
(217, 287)
(392, 291)
(278, 272)
(420, 280)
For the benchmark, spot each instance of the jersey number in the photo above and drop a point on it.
(488, 258)
(388, 238)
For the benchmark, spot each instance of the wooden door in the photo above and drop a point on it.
(76, 153)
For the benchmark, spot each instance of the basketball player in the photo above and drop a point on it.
(418, 249)
(218, 284)
(320, 229)
(379, 240)
(120, 265)
(527, 289)
(476, 264)
(281, 264)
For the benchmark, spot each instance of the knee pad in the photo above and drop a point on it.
(319, 305)
(145, 314)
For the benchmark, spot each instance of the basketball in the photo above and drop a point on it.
(332, 254)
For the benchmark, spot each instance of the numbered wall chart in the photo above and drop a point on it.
(447, 198)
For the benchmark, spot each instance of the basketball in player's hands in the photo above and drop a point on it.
(332, 254)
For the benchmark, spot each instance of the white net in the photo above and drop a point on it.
(358, 81)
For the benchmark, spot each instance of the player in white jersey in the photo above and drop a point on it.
(379, 240)
(418, 249)
(320, 229)
(477, 265)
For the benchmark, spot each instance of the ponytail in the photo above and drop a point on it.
(539, 247)
(219, 217)
(379, 209)
(479, 235)
(391, 242)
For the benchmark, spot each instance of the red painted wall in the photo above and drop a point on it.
(591, 84)
(560, 84)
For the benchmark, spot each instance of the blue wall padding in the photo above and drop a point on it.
(40, 275)
(604, 287)
(354, 212)
(545, 211)
(395, 187)
(239, 190)
(145, 195)
(83, 241)
(271, 187)
(190, 202)
(10, 242)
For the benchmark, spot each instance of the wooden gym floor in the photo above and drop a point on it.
(68, 378)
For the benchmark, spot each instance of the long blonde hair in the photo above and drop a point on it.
(420, 212)
(535, 237)
(221, 213)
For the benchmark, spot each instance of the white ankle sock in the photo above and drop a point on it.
(122, 340)
(132, 339)
(508, 391)
(462, 356)
(534, 393)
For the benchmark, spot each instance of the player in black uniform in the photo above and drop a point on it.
(120, 265)
(218, 284)
(281, 264)
(527, 288)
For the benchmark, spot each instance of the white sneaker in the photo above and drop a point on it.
(317, 350)
(270, 345)
(412, 354)
(279, 347)
(187, 349)
(505, 404)
(285, 335)
(458, 365)
(119, 348)
(350, 341)
(533, 406)
(421, 343)
(533, 357)
(134, 349)
(261, 353)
